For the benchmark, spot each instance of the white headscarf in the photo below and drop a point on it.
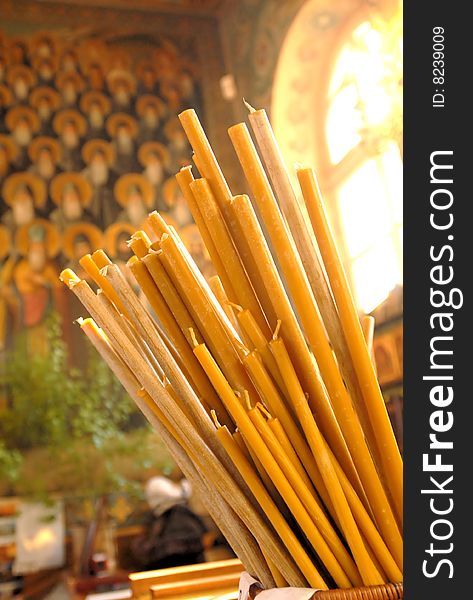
(162, 494)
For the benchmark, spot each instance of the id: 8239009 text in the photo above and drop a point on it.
(438, 67)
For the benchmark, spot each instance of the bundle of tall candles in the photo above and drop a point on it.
(259, 380)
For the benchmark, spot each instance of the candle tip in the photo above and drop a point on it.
(237, 307)
(264, 410)
(69, 278)
(276, 331)
(193, 337)
(246, 396)
(248, 106)
(215, 419)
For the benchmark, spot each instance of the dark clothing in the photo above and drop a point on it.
(173, 539)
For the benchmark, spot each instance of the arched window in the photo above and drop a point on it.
(337, 105)
(363, 132)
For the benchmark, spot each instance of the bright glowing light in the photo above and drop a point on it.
(365, 111)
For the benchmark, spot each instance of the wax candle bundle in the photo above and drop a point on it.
(260, 380)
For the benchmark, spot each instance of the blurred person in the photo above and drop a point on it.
(46, 101)
(174, 535)
(176, 203)
(123, 130)
(147, 78)
(122, 87)
(25, 194)
(71, 127)
(96, 107)
(176, 142)
(46, 70)
(68, 60)
(154, 158)
(134, 193)
(70, 85)
(36, 280)
(21, 80)
(150, 110)
(71, 193)
(23, 123)
(99, 157)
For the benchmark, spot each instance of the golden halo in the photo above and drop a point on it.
(69, 114)
(118, 77)
(5, 241)
(90, 231)
(153, 148)
(77, 180)
(111, 236)
(22, 112)
(92, 146)
(9, 145)
(45, 92)
(73, 76)
(95, 97)
(120, 118)
(53, 239)
(125, 181)
(149, 99)
(6, 95)
(35, 183)
(16, 71)
(41, 142)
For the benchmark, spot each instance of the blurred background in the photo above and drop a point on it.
(89, 143)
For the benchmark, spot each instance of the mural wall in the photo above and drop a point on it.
(89, 144)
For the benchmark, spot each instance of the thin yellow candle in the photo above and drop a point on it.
(241, 444)
(374, 402)
(348, 525)
(184, 179)
(219, 291)
(197, 376)
(204, 315)
(158, 226)
(245, 294)
(260, 342)
(90, 267)
(271, 466)
(207, 163)
(140, 243)
(367, 326)
(277, 406)
(267, 504)
(303, 361)
(275, 425)
(101, 259)
(267, 481)
(171, 295)
(308, 313)
(329, 547)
